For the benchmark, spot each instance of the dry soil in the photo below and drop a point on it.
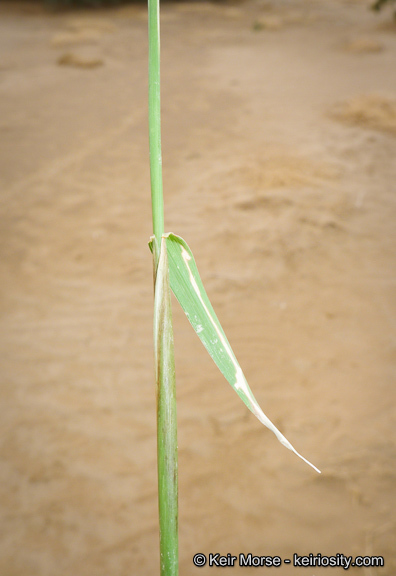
(279, 123)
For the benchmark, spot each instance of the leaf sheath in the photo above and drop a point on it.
(166, 419)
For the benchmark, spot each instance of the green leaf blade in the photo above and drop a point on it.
(188, 288)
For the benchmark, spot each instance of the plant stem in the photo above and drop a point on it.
(166, 419)
(157, 201)
(163, 331)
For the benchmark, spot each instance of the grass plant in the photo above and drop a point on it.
(163, 331)
(175, 269)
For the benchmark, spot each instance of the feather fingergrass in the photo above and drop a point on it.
(163, 332)
(175, 269)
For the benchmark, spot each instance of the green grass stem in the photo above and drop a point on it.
(157, 201)
(163, 330)
(166, 419)
(181, 274)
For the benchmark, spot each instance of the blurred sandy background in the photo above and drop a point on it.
(279, 125)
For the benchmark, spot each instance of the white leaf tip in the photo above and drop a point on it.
(306, 461)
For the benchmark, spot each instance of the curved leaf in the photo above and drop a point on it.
(187, 286)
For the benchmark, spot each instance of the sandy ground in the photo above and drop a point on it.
(279, 124)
